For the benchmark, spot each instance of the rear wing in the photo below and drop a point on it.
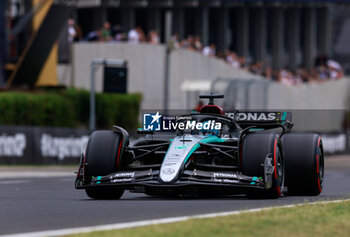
(260, 119)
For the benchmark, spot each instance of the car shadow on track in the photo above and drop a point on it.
(180, 198)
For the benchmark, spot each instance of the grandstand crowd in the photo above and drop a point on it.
(324, 68)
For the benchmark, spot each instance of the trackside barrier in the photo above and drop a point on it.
(41, 145)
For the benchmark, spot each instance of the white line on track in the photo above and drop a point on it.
(13, 181)
(35, 174)
(69, 231)
(67, 179)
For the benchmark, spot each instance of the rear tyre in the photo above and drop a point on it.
(256, 146)
(304, 163)
(103, 156)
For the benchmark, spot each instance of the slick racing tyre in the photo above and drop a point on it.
(304, 163)
(103, 156)
(256, 146)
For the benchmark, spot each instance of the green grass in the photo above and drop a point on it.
(331, 219)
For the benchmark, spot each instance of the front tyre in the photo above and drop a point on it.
(256, 146)
(103, 156)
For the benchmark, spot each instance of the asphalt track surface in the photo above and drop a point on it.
(49, 203)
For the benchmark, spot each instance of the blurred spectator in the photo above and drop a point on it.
(256, 68)
(136, 35)
(285, 77)
(117, 33)
(267, 73)
(79, 35)
(243, 62)
(321, 72)
(93, 36)
(153, 37)
(275, 75)
(133, 36)
(233, 59)
(141, 34)
(297, 80)
(305, 76)
(72, 32)
(209, 50)
(221, 55)
(335, 69)
(106, 32)
(197, 43)
(188, 43)
(173, 42)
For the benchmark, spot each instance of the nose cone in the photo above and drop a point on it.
(180, 149)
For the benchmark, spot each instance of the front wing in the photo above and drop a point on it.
(150, 178)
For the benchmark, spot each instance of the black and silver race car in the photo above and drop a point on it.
(251, 153)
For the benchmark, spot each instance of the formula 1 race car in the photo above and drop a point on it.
(209, 153)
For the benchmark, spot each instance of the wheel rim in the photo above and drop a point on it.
(279, 169)
(321, 167)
